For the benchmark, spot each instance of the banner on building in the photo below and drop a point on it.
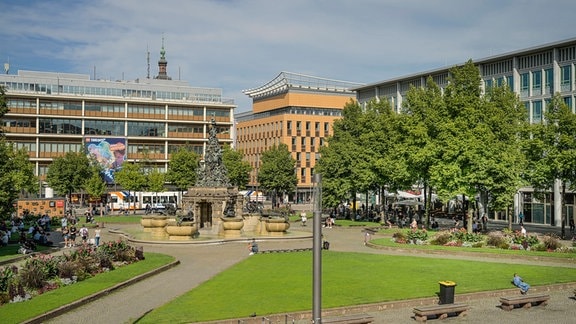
(109, 153)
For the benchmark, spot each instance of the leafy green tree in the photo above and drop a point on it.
(3, 107)
(424, 114)
(16, 175)
(238, 169)
(155, 181)
(276, 173)
(339, 158)
(131, 178)
(182, 168)
(95, 186)
(480, 141)
(551, 151)
(68, 173)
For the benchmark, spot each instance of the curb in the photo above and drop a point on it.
(83, 301)
(384, 306)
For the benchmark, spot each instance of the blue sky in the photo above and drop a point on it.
(236, 45)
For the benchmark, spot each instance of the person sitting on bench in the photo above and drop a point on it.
(518, 282)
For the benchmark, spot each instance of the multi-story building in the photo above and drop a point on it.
(116, 120)
(535, 74)
(296, 110)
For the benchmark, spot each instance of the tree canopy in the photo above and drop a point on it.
(238, 169)
(276, 173)
(182, 168)
(68, 173)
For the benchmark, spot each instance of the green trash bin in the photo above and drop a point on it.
(447, 292)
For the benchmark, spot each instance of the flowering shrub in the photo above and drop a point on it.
(418, 235)
(43, 273)
(441, 238)
(400, 237)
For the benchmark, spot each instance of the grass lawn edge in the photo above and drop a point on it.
(94, 296)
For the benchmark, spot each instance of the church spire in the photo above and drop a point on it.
(162, 63)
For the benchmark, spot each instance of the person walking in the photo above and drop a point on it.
(97, 237)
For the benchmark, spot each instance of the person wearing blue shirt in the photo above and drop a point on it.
(518, 282)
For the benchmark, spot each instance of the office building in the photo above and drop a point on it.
(143, 120)
(535, 74)
(296, 110)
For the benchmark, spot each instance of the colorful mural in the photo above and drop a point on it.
(110, 153)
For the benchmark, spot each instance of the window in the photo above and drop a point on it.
(548, 78)
(524, 81)
(565, 75)
(537, 112)
(537, 80)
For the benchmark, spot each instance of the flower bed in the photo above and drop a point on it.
(45, 272)
(505, 239)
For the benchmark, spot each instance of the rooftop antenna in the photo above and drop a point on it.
(148, 61)
(7, 66)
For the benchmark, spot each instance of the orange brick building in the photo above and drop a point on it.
(296, 110)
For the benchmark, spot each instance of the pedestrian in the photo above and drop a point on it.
(518, 282)
(253, 247)
(414, 225)
(522, 231)
(97, 236)
(72, 235)
(303, 218)
(521, 218)
(84, 233)
(65, 235)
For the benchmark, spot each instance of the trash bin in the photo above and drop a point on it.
(447, 292)
(326, 245)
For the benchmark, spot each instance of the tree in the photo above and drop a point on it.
(131, 178)
(182, 168)
(95, 186)
(3, 107)
(424, 114)
(68, 173)
(238, 169)
(339, 157)
(155, 181)
(551, 151)
(276, 173)
(480, 139)
(16, 175)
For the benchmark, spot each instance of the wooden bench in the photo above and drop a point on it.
(422, 313)
(524, 301)
(350, 319)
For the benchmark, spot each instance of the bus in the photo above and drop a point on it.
(124, 200)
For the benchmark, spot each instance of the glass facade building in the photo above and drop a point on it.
(53, 113)
(535, 74)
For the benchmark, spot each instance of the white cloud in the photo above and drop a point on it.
(236, 45)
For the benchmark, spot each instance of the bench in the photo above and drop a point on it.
(350, 319)
(524, 301)
(422, 313)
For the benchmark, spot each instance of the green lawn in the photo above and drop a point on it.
(277, 283)
(18, 312)
(118, 219)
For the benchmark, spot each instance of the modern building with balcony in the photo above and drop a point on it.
(296, 110)
(143, 120)
(535, 74)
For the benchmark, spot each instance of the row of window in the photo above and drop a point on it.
(133, 148)
(58, 105)
(535, 108)
(202, 96)
(104, 127)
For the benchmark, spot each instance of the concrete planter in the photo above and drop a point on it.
(184, 231)
(276, 226)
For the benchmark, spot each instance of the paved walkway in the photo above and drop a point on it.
(201, 262)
